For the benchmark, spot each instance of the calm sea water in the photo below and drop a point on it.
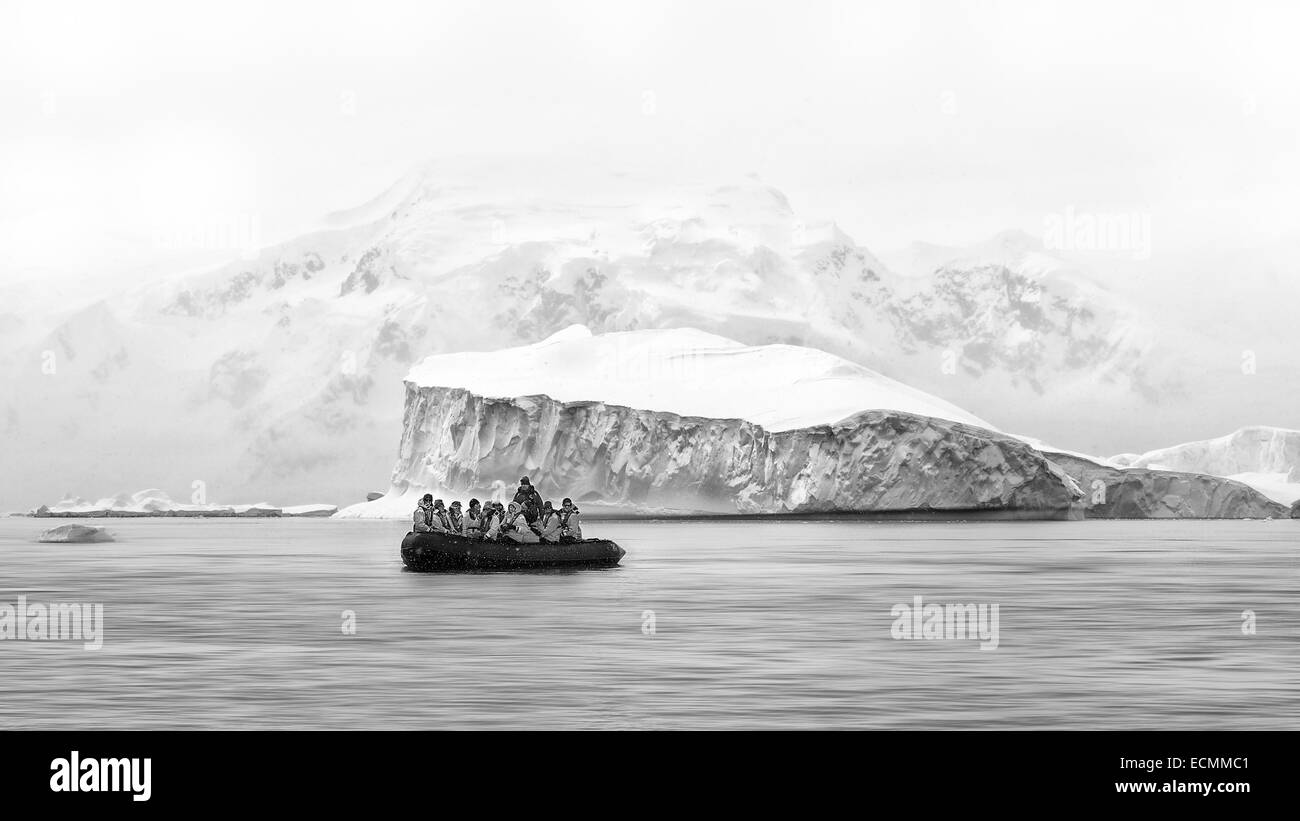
(757, 624)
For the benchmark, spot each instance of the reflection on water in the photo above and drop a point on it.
(238, 624)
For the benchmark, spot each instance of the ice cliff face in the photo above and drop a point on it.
(1141, 493)
(874, 461)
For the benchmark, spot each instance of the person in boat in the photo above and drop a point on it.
(517, 528)
(501, 519)
(550, 524)
(422, 519)
(570, 521)
(474, 520)
(440, 523)
(456, 519)
(530, 500)
(492, 520)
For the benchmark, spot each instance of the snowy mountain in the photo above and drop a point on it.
(1143, 350)
(1018, 251)
(281, 377)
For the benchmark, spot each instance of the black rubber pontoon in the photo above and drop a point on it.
(442, 551)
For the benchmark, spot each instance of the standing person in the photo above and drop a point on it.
(455, 519)
(550, 524)
(474, 520)
(529, 499)
(422, 519)
(570, 521)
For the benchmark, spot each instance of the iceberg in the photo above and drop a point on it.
(688, 372)
(679, 421)
(1111, 492)
(1264, 457)
(80, 534)
(685, 421)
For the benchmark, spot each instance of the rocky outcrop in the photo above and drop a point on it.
(1140, 493)
(874, 461)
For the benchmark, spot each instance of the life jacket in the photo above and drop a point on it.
(473, 522)
(428, 515)
(565, 528)
(457, 522)
(442, 517)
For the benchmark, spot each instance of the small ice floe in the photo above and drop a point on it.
(76, 533)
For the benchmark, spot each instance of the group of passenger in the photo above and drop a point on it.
(527, 519)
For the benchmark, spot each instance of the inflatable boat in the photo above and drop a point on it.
(443, 551)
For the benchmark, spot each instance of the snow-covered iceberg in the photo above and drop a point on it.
(1266, 458)
(1111, 492)
(688, 421)
(688, 372)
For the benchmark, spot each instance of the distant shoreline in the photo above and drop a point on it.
(176, 514)
(619, 515)
(973, 515)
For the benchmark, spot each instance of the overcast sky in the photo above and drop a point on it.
(943, 121)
